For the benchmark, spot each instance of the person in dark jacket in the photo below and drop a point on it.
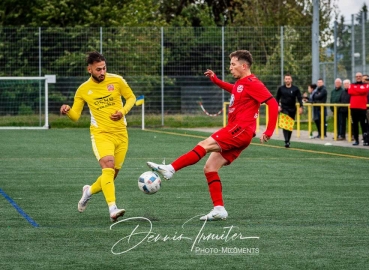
(335, 96)
(287, 95)
(319, 95)
(343, 111)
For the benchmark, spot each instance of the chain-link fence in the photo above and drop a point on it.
(164, 64)
(349, 53)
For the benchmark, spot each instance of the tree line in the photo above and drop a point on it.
(251, 24)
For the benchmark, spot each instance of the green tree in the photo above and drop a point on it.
(63, 13)
(344, 42)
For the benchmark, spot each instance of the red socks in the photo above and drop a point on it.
(215, 185)
(189, 158)
(215, 188)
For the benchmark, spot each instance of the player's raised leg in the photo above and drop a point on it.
(190, 158)
(166, 170)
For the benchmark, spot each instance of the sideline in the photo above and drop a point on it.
(264, 145)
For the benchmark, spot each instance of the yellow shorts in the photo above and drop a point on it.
(108, 144)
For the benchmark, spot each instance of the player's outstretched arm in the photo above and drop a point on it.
(272, 116)
(73, 112)
(64, 109)
(224, 85)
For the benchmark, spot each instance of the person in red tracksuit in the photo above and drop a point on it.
(358, 99)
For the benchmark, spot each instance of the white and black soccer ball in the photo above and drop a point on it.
(149, 182)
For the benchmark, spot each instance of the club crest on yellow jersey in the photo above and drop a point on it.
(110, 87)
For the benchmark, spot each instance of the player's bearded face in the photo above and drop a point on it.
(97, 71)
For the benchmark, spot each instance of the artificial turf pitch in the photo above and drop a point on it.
(299, 208)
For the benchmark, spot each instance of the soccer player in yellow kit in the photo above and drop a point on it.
(103, 94)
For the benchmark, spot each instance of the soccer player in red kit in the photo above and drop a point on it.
(226, 144)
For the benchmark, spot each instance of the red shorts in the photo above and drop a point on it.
(233, 139)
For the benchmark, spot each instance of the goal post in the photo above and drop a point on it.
(24, 102)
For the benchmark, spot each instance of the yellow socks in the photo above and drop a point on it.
(107, 185)
(96, 187)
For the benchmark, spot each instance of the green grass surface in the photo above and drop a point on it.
(307, 205)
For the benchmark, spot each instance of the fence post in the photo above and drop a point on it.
(282, 56)
(352, 48)
(223, 62)
(335, 50)
(101, 40)
(39, 72)
(315, 41)
(162, 75)
(335, 123)
(363, 41)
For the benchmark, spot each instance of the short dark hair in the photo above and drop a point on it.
(313, 86)
(242, 55)
(287, 75)
(93, 57)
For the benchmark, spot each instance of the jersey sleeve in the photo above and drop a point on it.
(75, 112)
(299, 97)
(258, 91)
(272, 116)
(224, 85)
(128, 95)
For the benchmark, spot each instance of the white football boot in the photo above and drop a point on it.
(115, 214)
(86, 196)
(166, 170)
(218, 213)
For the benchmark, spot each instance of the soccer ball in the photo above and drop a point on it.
(149, 182)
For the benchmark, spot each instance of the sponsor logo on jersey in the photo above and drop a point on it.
(231, 101)
(239, 88)
(110, 87)
(104, 102)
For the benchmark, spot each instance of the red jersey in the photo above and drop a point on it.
(358, 95)
(247, 95)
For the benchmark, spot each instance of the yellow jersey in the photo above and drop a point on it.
(103, 100)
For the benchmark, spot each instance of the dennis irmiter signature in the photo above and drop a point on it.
(146, 234)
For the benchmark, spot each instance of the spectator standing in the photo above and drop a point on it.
(319, 95)
(335, 96)
(358, 92)
(343, 111)
(287, 95)
(366, 80)
(311, 88)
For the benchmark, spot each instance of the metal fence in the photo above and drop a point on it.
(349, 51)
(164, 64)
